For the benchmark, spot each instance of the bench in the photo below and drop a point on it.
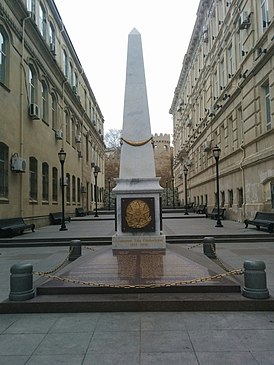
(80, 212)
(201, 209)
(56, 218)
(214, 213)
(10, 227)
(262, 219)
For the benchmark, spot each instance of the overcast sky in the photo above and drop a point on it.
(99, 32)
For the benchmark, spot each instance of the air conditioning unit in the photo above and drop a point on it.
(78, 138)
(207, 146)
(59, 134)
(18, 164)
(244, 21)
(52, 48)
(34, 111)
(211, 112)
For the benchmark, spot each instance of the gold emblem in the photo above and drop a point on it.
(138, 214)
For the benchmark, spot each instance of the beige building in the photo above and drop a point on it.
(224, 97)
(47, 104)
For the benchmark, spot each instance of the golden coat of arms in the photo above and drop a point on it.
(138, 214)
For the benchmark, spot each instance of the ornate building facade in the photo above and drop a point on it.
(47, 104)
(224, 97)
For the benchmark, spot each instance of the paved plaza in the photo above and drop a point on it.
(146, 338)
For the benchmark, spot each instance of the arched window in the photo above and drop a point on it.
(44, 105)
(32, 178)
(3, 56)
(4, 168)
(54, 184)
(45, 181)
(32, 84)
(42, 25)
(53, 112)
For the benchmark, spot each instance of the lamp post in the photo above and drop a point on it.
(96, 170)
(185, 173)
(62, 157)
(216, 153)
(108, 193)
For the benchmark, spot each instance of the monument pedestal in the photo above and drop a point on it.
(138, 215)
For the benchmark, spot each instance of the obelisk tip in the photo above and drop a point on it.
(134, 32)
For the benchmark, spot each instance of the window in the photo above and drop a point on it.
(222, 198)
(65, 63)
(73, 134)
(78, 190)
(32, 178)
(53, 112)
(222, 74)
(44, 106)
(54, 184)
(240, 197)
(239, 46)
(73, 189)
(265, 14)
(68, 188)
(272, 195)
(45, 181)
(52, 37)
(267, 106)
(42, 23)
(70, 74)
(4, 168)
(32, 84)
(67, 119)
(87, 148)
(230, 198)
(3, 57)
(31, 6)
(230, 62)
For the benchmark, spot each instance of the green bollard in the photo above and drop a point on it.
(21, 282)
(255, 280)
(75, 250)
(209, 247)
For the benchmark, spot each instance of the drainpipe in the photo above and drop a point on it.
(22, 82)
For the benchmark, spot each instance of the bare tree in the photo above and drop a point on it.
(112, 138)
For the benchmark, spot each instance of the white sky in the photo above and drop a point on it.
(99, 32)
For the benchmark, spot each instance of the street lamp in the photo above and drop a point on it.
(96, 170)
(185, 173)
(216, 153)
(62, 156)
(108, 193)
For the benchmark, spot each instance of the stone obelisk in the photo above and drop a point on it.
(138, 210)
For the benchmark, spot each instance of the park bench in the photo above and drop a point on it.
(14, 226)
(79, 212)
(56, 218)
(214, 213)
(262, 219)
(201, 209)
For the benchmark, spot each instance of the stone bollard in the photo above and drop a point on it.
(255, 280)
(75, 250)
(209, 247)
(21, 282)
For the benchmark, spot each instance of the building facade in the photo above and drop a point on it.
(224, 97)
(47, 104)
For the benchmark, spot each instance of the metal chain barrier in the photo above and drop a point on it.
(164, 285)
(42, 273)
